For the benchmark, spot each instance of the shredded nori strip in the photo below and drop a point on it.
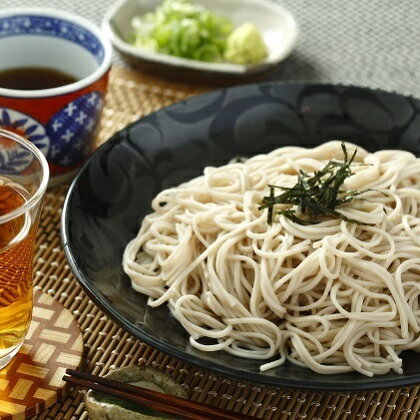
(315, 195)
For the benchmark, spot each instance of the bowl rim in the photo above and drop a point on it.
(180, 62)
(103, 67)
(194, 360)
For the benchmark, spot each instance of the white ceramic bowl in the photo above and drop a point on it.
(276, 24)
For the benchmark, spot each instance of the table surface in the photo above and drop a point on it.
(368, 43)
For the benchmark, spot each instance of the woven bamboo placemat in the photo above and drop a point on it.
(130, 96)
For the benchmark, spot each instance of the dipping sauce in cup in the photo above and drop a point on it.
(59, 119)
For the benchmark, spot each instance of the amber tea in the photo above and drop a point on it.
(16, 262)
(23, 182)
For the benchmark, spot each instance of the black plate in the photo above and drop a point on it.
(113, 191)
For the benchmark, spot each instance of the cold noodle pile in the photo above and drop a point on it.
(333, 291)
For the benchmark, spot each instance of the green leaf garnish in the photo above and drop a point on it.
(315, 195)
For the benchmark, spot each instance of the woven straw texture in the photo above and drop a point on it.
(107, 346)
(369, 43)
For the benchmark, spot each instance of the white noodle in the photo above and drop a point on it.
(333, 296)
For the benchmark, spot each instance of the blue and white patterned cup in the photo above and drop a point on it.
(60, 121)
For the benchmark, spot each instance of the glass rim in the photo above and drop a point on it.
(39, 193)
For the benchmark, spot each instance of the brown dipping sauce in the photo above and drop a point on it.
(34, 78)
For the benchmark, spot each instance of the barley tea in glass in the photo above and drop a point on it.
(23, 180)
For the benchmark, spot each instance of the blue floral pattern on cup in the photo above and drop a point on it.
(70, 129)
(53, 27)
(65, 140)
(27, 127)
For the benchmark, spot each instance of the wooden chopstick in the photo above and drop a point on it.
(156, 400)
(134, 398)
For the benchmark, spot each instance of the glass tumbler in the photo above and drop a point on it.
(23, 180)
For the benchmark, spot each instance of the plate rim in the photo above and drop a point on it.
(276, 381)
